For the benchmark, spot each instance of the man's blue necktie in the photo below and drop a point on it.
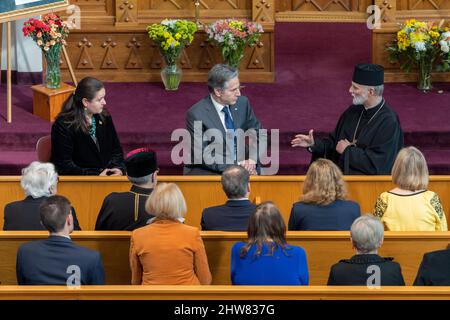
(229, 124)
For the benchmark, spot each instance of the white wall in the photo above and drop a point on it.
(26, 56)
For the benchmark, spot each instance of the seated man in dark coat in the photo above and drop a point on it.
(366, 268)
(234, 214)
(126, 210)
(58, 260)
(434, 269)
(39, 181)
(217, 123)
(368, 135)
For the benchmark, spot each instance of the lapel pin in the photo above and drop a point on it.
(100, 122)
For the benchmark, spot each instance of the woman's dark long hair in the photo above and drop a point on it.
(265, 226)
(73, 112)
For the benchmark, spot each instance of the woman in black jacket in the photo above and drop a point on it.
(84, 140)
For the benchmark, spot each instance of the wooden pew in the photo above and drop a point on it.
(184, 293)
(87, 193)
(323, 250)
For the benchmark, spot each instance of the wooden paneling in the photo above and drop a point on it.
(323, 249)
(87, 193)
(322, 10)
(423, 5)
(113, 45)
(133, 57)
(183, 293)
(322, 5)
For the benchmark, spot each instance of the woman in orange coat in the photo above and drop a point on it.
(168, 252)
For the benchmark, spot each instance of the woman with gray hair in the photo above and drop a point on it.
(366, 268)
(39, 181)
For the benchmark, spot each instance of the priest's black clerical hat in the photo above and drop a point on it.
(368, 74)
(141, 162)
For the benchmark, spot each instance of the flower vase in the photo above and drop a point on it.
(52, 70)
(424, 69)
(233, 57)
(171, 76)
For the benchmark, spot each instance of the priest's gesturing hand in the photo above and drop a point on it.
(302, 140)
(342, 145)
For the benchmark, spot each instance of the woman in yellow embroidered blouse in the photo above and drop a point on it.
(409, 206)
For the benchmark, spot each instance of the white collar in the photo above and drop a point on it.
(60, 235)
(217, 105)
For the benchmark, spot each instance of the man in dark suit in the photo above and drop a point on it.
(58, 260)
(366, 268)
(234, 214)
(126, 210)
(434, 269)
(214, 123)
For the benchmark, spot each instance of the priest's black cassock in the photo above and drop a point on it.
(126, 210)
(378, 137)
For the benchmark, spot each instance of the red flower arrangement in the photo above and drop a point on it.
(232, 36)
(50, 33)
(47, 32)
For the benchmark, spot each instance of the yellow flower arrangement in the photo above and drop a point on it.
(172, 36)
(421, 44)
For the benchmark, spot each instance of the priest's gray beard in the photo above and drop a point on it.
(360, 98)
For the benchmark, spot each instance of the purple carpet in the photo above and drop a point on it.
(314, 63)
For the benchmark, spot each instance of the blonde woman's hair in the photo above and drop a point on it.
(166, 202)
(410, 170)
(323, 183)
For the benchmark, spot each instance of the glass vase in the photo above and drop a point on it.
(52, 69)
(424, 74)
(171, 76)
(233, 57)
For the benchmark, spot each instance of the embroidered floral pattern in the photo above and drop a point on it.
(436, 204)
(380, 208)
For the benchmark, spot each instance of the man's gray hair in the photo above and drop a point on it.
(139, 181)
(367, 233)
(219, 75)
(39, 179)
(235, 182)
(378, 90)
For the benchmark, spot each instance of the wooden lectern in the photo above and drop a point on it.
(47, 103)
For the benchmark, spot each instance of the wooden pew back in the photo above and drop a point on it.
(87, 193)
(323, 249)
(184, 293)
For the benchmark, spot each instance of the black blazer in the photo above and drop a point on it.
(338, 215)
(24, 215)
(354, 271)
(75, 152)
(434, 269)
(47, 262)
(233, 216)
